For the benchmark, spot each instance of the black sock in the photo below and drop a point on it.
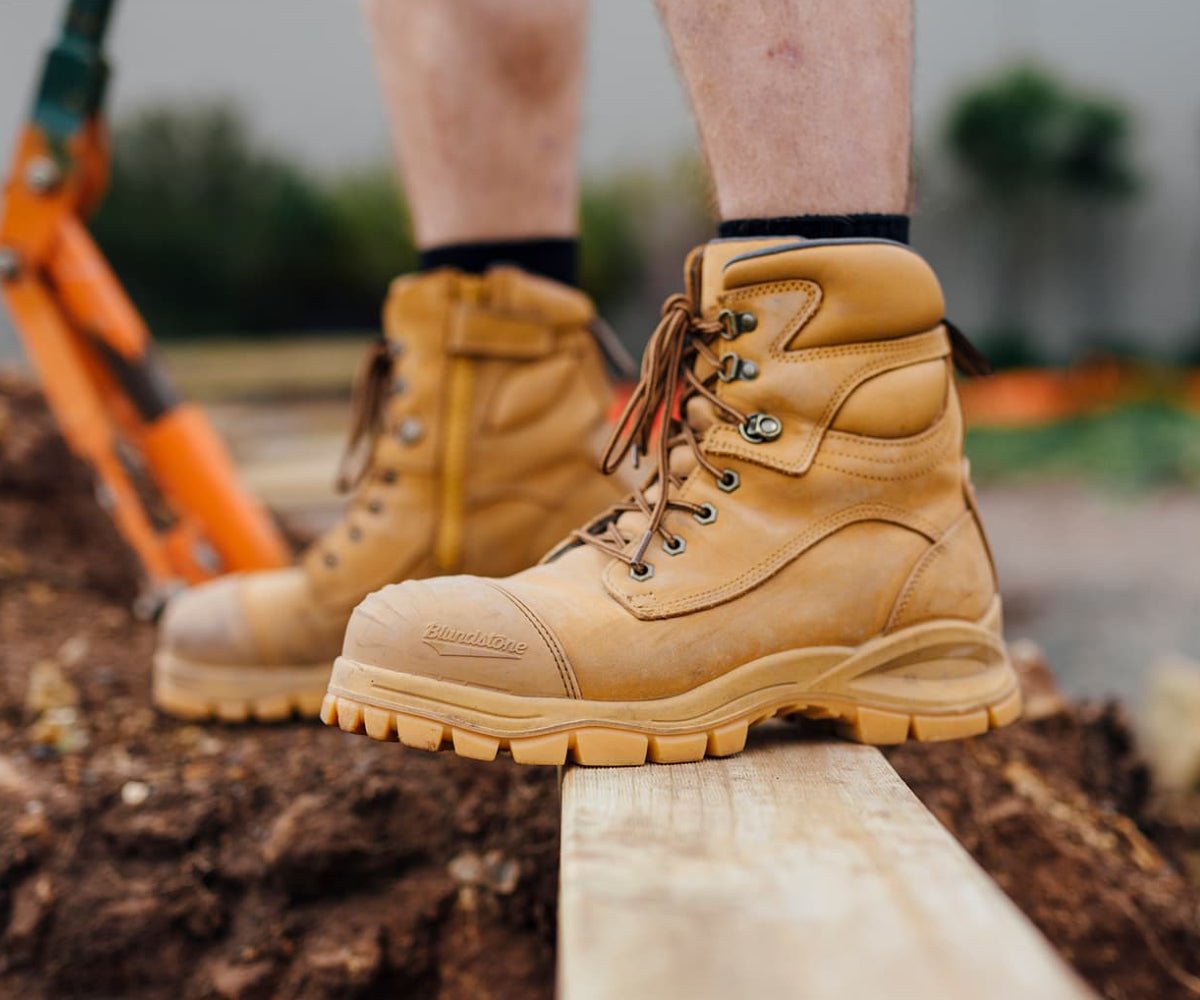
(556, 258)
(821, 227)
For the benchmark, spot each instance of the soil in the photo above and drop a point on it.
(143, 857)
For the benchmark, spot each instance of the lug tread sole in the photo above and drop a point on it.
(269, 708)
(604, 746)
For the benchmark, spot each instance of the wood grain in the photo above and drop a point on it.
(797, 869)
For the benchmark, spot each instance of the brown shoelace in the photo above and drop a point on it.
(371, 387)
(680, 339)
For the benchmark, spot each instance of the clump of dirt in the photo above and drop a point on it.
(143, 857)
(1059, 811)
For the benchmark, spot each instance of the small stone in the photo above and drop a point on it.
(74, 651)
(502, 873)
(49, 688)
(59, 730)
(492, 871)
(134, 793)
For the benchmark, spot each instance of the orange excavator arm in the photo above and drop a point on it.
(161, 470)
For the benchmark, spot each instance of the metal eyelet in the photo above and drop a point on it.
(399, 386)
(760, 428)
(729, 481)
(375, 507)
(330, 560)
(395, 349)
(734, 367)
(411, 430)
(706, 515)
(734, 324)
(389, 476)
(641, 571)
(356, 534)
(675, 545)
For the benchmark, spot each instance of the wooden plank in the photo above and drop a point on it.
(798, 869)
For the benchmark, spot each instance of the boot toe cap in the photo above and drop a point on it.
(208, 624)
(461, 629)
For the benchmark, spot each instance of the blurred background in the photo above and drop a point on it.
(256, 222)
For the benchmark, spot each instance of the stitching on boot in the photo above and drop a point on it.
(647, 604)
(813, 297)
(561, 663)
(936, 552)
(895, 354)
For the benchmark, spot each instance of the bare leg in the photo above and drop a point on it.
(802, 105)
(483, 97)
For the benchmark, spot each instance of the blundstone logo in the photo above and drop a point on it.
(445, 640)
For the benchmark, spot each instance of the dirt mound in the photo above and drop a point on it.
(140, 857)
(1058, 811)
(51, 528)
(143, 857)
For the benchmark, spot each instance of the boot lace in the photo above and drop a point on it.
(371, 388)
(668, 381)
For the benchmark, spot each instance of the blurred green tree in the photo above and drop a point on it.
(211, 233)
(1037, 151)
(374, 239)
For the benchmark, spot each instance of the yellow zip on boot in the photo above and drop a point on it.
(479, 418)
(806, 542)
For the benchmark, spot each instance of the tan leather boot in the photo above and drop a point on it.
(815, 548)
(479, 420)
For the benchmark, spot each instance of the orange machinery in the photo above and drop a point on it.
(161, 470)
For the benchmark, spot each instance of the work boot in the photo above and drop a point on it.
(806, 542)
(478, 421)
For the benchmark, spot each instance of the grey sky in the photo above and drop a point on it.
(301, 69)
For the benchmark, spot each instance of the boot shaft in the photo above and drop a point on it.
(489, 403)
(835, 407)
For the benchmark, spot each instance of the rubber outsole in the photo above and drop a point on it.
(282, 708)
(206, 692)
(611, 747)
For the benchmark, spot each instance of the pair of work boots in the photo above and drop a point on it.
(802, 539)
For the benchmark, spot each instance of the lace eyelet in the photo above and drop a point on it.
(706, 515)
(410, 430)
(375, 507)
(734, 324)
(675, 545)
(330, 560)
(399, 386)
(355, 534)
(759, 428)
(729, 481)
(395, 349)
(734, 368)
(641, 571)
(388, 476)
